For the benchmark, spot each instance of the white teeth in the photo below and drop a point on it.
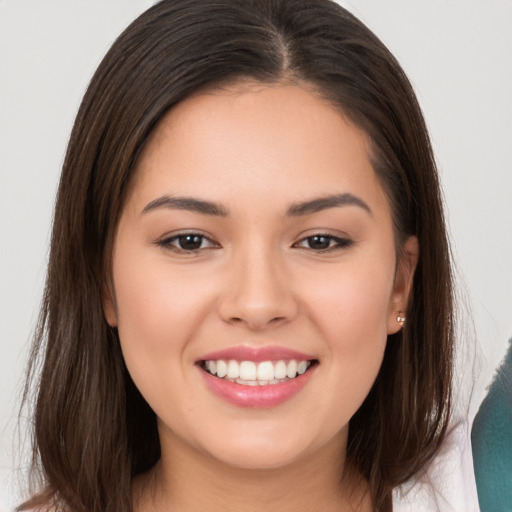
(233, 370)
(247, 370)
(302, 367)
(280, 370)
(291, 371)
(266, 370)
(247, 382)
(222, 369)
(212, 367)
(250, 373)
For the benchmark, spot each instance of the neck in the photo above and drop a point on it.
(188, 480)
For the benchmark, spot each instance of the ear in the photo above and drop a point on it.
(109, 304)
(403, 283)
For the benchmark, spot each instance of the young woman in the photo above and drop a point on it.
(249, 300)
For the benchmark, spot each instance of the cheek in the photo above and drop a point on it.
(351, 311)
(353, 302)
(158, 311)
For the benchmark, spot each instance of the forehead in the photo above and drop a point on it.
(281, 140)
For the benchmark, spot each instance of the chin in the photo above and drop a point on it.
(260, 451)
(257, 459)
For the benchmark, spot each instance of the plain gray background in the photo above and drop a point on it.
(457, 54)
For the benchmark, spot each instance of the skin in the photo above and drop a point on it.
(255, 150)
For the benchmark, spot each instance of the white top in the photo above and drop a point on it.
(449, 485)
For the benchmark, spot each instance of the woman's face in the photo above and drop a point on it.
(256, 240)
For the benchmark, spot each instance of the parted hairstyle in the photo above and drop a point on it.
(93, 431)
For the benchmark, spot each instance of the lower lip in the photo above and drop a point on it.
(256, 396)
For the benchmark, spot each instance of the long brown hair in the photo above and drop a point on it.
(93, 431)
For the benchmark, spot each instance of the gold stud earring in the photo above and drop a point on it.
(400, 319)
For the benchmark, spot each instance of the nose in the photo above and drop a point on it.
(258, 292)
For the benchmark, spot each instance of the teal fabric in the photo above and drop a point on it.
(491, 439)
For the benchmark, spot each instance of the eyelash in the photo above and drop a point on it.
(339, 243)
(166, 243)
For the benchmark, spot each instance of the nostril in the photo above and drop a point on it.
(277, 319)
(257, 322)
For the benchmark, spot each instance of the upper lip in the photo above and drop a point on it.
(256, 354)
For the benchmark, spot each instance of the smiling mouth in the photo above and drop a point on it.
(264, 373)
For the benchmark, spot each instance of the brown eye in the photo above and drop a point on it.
(190, 242)
(319, 242)
(324, 243)
(187, 242)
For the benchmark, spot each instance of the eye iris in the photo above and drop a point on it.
(190, 242)
(319, 242)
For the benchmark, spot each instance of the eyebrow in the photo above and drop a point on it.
(294, 210)
(187, 203)
(325, 202)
